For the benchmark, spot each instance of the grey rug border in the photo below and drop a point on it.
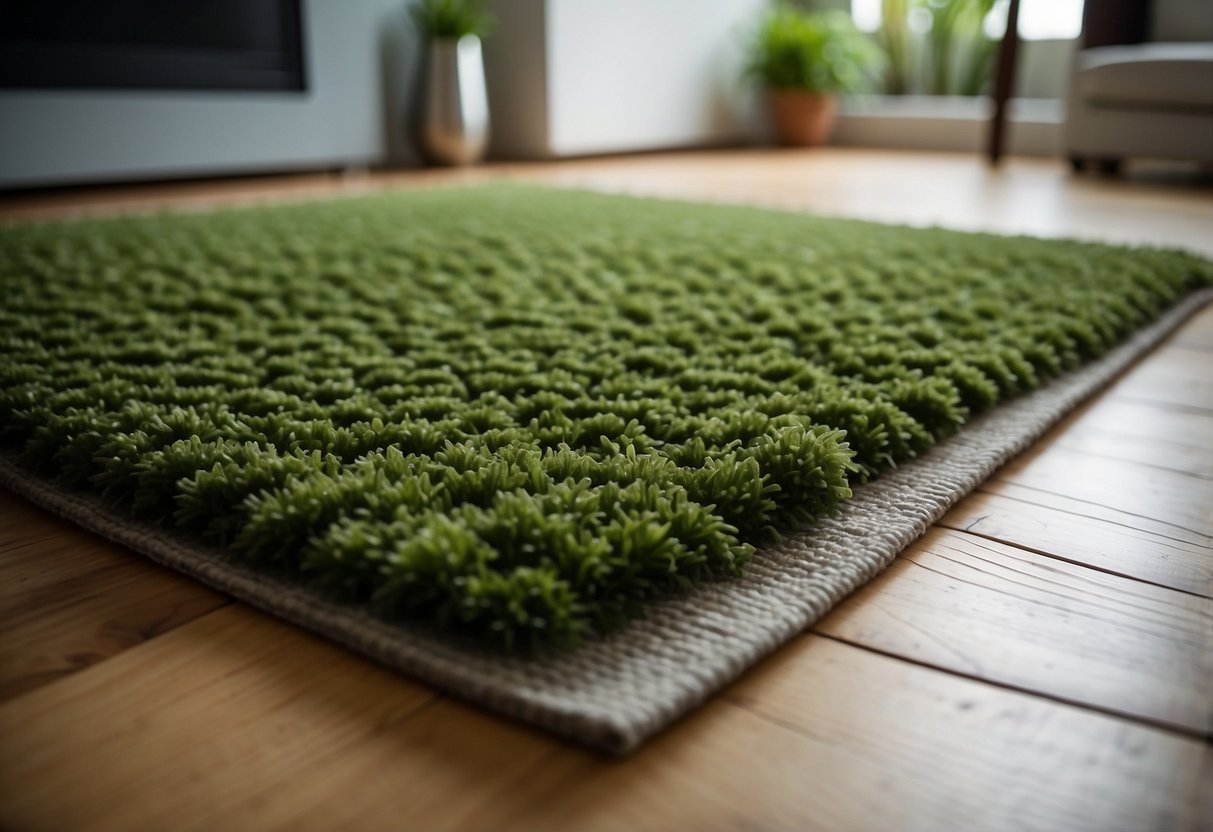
(615, 692)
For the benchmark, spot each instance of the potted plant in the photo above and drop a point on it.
(804, 60)
(455, 108)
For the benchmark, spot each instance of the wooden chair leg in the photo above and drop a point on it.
(1004, 82)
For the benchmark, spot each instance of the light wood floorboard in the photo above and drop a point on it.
(1144, 433)
(1178, 377)
(999, 613)
(1041, 660)
(1067, 533)
(1125, 490)
(69, 599)
(824, 736)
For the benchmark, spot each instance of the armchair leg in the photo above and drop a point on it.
(1110, 167)
(1078, 164)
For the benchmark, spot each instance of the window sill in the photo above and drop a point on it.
(958, 123)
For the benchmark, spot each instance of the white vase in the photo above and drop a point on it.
(455, 110)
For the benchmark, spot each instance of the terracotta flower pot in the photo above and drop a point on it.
(802, 119)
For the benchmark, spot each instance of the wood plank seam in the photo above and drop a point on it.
(1006, 496)
(1054, 555)
(1159, 725)
(1178, 407)
(1065, 597)
(29, 685)
(1172, 524)
(1062, 595)
(1126, 461)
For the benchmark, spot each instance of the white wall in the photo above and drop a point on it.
(361, 59)
(577, 77)
(639, 74)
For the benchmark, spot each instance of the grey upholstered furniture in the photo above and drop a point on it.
(1142, 85)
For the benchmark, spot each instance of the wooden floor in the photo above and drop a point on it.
(1042, 659)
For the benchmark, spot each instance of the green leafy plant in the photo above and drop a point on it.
(961, 53)
(817, 52)
(977, 68)
(894, 37)
(954, 56)
(441, 19)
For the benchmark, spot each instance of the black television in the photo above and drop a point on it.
(152, 44)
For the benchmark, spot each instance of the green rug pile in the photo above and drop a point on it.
(466, 431)
(520, 414)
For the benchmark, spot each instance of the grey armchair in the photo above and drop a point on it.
(1142, 85)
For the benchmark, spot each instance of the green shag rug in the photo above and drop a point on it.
(515, 412)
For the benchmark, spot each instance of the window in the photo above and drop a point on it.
(1038, 19)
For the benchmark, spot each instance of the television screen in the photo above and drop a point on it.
(152, 44)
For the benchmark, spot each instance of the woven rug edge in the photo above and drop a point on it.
(453, 667)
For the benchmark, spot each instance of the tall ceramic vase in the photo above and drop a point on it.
(455, 111)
